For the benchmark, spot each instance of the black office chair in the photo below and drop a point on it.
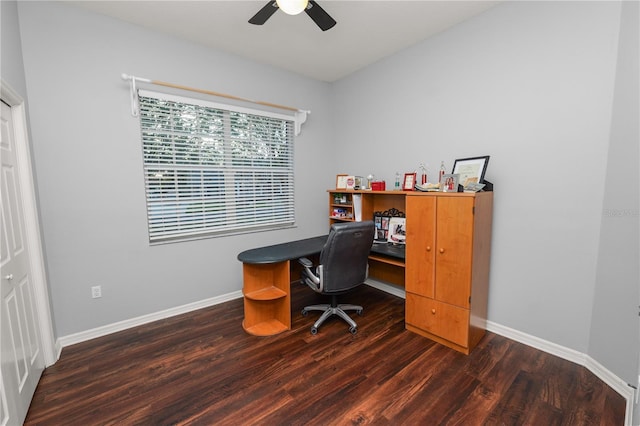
(343, 266)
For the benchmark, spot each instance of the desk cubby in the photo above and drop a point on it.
(384, 268)
(266, 298)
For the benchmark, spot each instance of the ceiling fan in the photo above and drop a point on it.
(294, 7)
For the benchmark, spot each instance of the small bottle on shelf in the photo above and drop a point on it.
(397, 186)
(442, 172)
(423, 180)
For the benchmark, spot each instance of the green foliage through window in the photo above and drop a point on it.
(214, 171)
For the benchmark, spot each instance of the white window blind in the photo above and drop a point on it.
(214, 169)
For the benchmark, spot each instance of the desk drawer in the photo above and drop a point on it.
(446, 321)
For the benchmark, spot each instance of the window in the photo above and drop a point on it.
(214, 170)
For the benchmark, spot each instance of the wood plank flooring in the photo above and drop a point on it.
(201, 368)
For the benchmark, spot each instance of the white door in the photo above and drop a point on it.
(21, 354)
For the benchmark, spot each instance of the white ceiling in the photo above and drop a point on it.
(366, 32)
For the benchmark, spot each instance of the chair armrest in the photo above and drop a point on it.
(305, 262)
(309, 277)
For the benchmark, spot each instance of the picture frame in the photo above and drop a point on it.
(471, 170)
(409, 182)
(449, 183)
(381, 220)
(360, 183)
(351, 182)
(397, 230)
(382, 228)
(341, 181)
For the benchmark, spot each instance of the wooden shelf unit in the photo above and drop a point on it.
(446, 269)
(267, 300)
(383, 268)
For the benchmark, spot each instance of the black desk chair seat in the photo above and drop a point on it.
(343, 265)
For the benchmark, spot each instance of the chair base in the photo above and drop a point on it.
(334, 309)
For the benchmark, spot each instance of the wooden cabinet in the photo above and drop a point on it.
(447, 266)
(445, 272)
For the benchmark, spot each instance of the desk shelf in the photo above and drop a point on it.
(268, 293)
(387, 259)
(266, 298)
(265, 328)
(388, 269)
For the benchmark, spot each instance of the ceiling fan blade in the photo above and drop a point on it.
(264, 13)
(319, 16)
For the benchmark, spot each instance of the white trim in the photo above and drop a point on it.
(613, 381)
(579, 358)
(105, 330)
(201, 102)
(536, 342)
(387, 288)
(32, 225)
(83, 336)
(300, 114)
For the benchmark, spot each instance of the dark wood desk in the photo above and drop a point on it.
(266, 284)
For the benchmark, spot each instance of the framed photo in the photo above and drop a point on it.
(351, 182)
(382, 227)
(361, 183)
(409, 181)
(341, 181)
(471, 170)
(382, 222)
(449, 183)
(397, 230)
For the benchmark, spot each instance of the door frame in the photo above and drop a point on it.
(33, 242)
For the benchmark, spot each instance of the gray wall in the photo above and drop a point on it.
(529, 83)
(88, 157)
(617, 297)
(12, 73)
(11, 65)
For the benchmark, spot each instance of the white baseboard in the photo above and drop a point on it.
(579, 358)
(387, 288)
(144, 319)
(613, 381)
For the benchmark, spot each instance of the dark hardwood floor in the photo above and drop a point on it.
(201, 368)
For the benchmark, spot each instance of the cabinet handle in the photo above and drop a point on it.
(441, 250)
(433, 311)
(428, 248)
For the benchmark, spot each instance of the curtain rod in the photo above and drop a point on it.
(300, 114)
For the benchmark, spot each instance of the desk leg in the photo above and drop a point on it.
(267, 298)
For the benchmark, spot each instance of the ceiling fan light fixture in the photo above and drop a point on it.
(292, 7)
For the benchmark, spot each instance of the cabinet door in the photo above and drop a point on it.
(421, 239)
(454, 230)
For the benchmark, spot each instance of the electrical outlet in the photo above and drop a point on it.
(96, 291)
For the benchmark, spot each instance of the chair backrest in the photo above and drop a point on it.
(344, 257)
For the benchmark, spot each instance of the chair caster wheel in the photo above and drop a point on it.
(353, 330)
(304, 312)
(314, 330)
